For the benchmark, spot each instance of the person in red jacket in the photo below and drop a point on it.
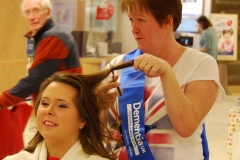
(55, 50)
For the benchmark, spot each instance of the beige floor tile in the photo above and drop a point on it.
(217, 127)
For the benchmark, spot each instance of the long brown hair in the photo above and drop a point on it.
(159, 8)
(93, 136)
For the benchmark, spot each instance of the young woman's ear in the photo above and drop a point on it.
(82, 124)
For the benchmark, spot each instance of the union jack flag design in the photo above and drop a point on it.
(160, 138)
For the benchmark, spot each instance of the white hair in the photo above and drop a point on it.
(45, 4)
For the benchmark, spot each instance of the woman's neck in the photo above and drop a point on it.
(58, 149)
(170, 52)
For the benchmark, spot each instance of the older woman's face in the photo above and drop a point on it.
(57, 114)
(148, 34)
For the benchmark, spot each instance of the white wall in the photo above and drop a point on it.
(207, 8)
(124, 33)
(127, 38)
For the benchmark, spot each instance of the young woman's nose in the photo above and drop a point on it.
(50, 110)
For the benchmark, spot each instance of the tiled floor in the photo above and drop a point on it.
(216, 127)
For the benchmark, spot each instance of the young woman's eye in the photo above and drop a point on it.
(44, 103)
(62, 106)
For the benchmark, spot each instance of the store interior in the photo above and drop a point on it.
(101, 39)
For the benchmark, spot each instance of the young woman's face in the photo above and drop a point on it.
(148, 34)
(57, 115)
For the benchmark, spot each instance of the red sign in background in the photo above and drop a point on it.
(104, 11)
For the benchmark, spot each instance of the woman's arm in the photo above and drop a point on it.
(203, 49)
(185, 109)
(207, 43)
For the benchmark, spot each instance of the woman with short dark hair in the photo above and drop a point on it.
(169, 90)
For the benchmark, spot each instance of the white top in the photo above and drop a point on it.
(192, 65)
(74, 153)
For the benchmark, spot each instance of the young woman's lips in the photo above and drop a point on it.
(49, 123)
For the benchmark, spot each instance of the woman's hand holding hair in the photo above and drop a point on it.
(107, 94)
(152, 66)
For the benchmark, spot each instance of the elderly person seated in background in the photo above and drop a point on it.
(54, 50)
